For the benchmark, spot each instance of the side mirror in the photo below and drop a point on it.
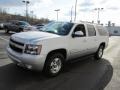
(78, 34)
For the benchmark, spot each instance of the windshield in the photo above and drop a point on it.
(60, 28)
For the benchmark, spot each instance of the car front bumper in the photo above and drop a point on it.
(35, 62)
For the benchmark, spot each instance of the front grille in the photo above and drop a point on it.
(16, 46)
(19, 43)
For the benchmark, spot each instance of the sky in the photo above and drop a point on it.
(85, 9)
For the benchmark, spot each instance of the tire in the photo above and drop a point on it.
(98, 55)
(6, 30)
(54, 64)
(20, 30)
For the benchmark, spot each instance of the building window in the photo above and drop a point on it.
(115, 31)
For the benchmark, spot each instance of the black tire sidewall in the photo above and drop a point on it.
(47, 70)
(20, 30)
(6, 30)
(97, 53)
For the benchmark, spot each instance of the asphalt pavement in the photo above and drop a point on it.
(84, 74)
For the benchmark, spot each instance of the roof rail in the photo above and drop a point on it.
(88, 22)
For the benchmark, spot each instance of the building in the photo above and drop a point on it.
(113, 30)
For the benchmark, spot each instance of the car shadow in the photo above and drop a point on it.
(8, 34)
(2, 33)
(86, 74)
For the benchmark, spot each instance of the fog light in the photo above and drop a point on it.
(21, 64)
(29, 66)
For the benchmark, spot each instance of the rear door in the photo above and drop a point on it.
(92, 39)
(14, 26)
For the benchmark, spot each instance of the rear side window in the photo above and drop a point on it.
(91, 30)
(102, 31)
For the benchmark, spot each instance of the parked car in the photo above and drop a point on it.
(55, 44)
(30, 28)
(16, 26)
(39, 26)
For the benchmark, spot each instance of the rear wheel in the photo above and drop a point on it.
(6, 30)
(54, 64)
(99, 53)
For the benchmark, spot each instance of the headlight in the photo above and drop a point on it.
(33, 49)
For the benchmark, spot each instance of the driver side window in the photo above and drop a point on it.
(81, 28)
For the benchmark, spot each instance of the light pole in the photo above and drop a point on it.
(71, 13)
(75, 10)
(98, 17)
(57, 10)
(32, 14)
(26, 4)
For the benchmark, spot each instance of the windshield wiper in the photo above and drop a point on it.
(41, 30)
(47, 31)
(51, 32)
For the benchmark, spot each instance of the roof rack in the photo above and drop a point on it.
(88, 22)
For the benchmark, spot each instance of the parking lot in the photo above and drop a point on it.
(86, 74)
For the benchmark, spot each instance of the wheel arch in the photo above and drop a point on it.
(103, 43)
(62, 51)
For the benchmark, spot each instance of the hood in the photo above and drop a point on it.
(32, 35)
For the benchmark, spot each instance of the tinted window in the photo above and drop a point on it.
(80, 27)
(91, 30)
(102, 31)
(115, 31)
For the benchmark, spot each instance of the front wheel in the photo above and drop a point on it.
(99, 53)
(21, 30)
(54, 64)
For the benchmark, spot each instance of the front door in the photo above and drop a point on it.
(78, 44)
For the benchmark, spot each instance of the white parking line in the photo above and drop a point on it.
(4, 39)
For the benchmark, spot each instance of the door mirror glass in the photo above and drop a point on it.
(78, 34)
